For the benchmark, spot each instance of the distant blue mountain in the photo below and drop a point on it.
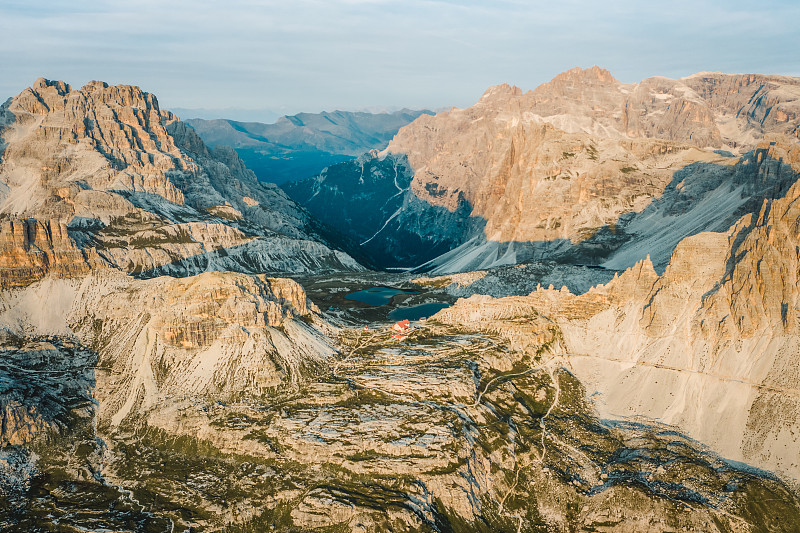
(301, 145)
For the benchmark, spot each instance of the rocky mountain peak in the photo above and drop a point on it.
(45, 96)
(122, 96)
(587, 75)
(501, 92)
(61, 141)
(572, 162)
(106, 163)
(42, 84)
(94, 85)
(578, 84)
(40, 97)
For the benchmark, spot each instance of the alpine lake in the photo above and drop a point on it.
(374, 298)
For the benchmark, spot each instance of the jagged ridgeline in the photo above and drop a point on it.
(156, 374)
(102, 177)
(583, 169)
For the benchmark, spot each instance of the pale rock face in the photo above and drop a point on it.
(710, 346)
(582, 169)
(215, 333)
(592, 101)
(139, 186)
(30, 249)
(531, 182)
(100, 138)
(59, 142)
(748, 107)
(149, 250)
(208, 334)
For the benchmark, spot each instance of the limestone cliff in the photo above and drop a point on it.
(581, 169)
(108, 167)
(30, 249)
(215, 333)
(711, 345)
(748, 106)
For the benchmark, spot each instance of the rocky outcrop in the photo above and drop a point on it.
(613, 151)
(218, 333)
(108, 163)
(227, 387)
(45, 388)
(60, 141)
(593, 101)
(710, 345)
(749, 106)
(573, 171)
(30, 249)
(99, 137)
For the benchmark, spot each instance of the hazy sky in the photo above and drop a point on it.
(310, 55)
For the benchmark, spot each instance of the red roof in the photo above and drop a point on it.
(402, 325)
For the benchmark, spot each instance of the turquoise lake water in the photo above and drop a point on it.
(374, 296)
(415, 312)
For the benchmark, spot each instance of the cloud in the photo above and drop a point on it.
(314, 54)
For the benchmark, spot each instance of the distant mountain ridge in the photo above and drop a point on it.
(301, 145)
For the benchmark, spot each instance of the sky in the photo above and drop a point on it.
(264, 58)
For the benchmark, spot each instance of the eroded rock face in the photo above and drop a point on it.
(711, 345)
(571, 157)
(30, 249)
(99, 138)
(45, 388)
(138, 185)
(592, 101)
(215, 333)
(749, 106)
(576, 170)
